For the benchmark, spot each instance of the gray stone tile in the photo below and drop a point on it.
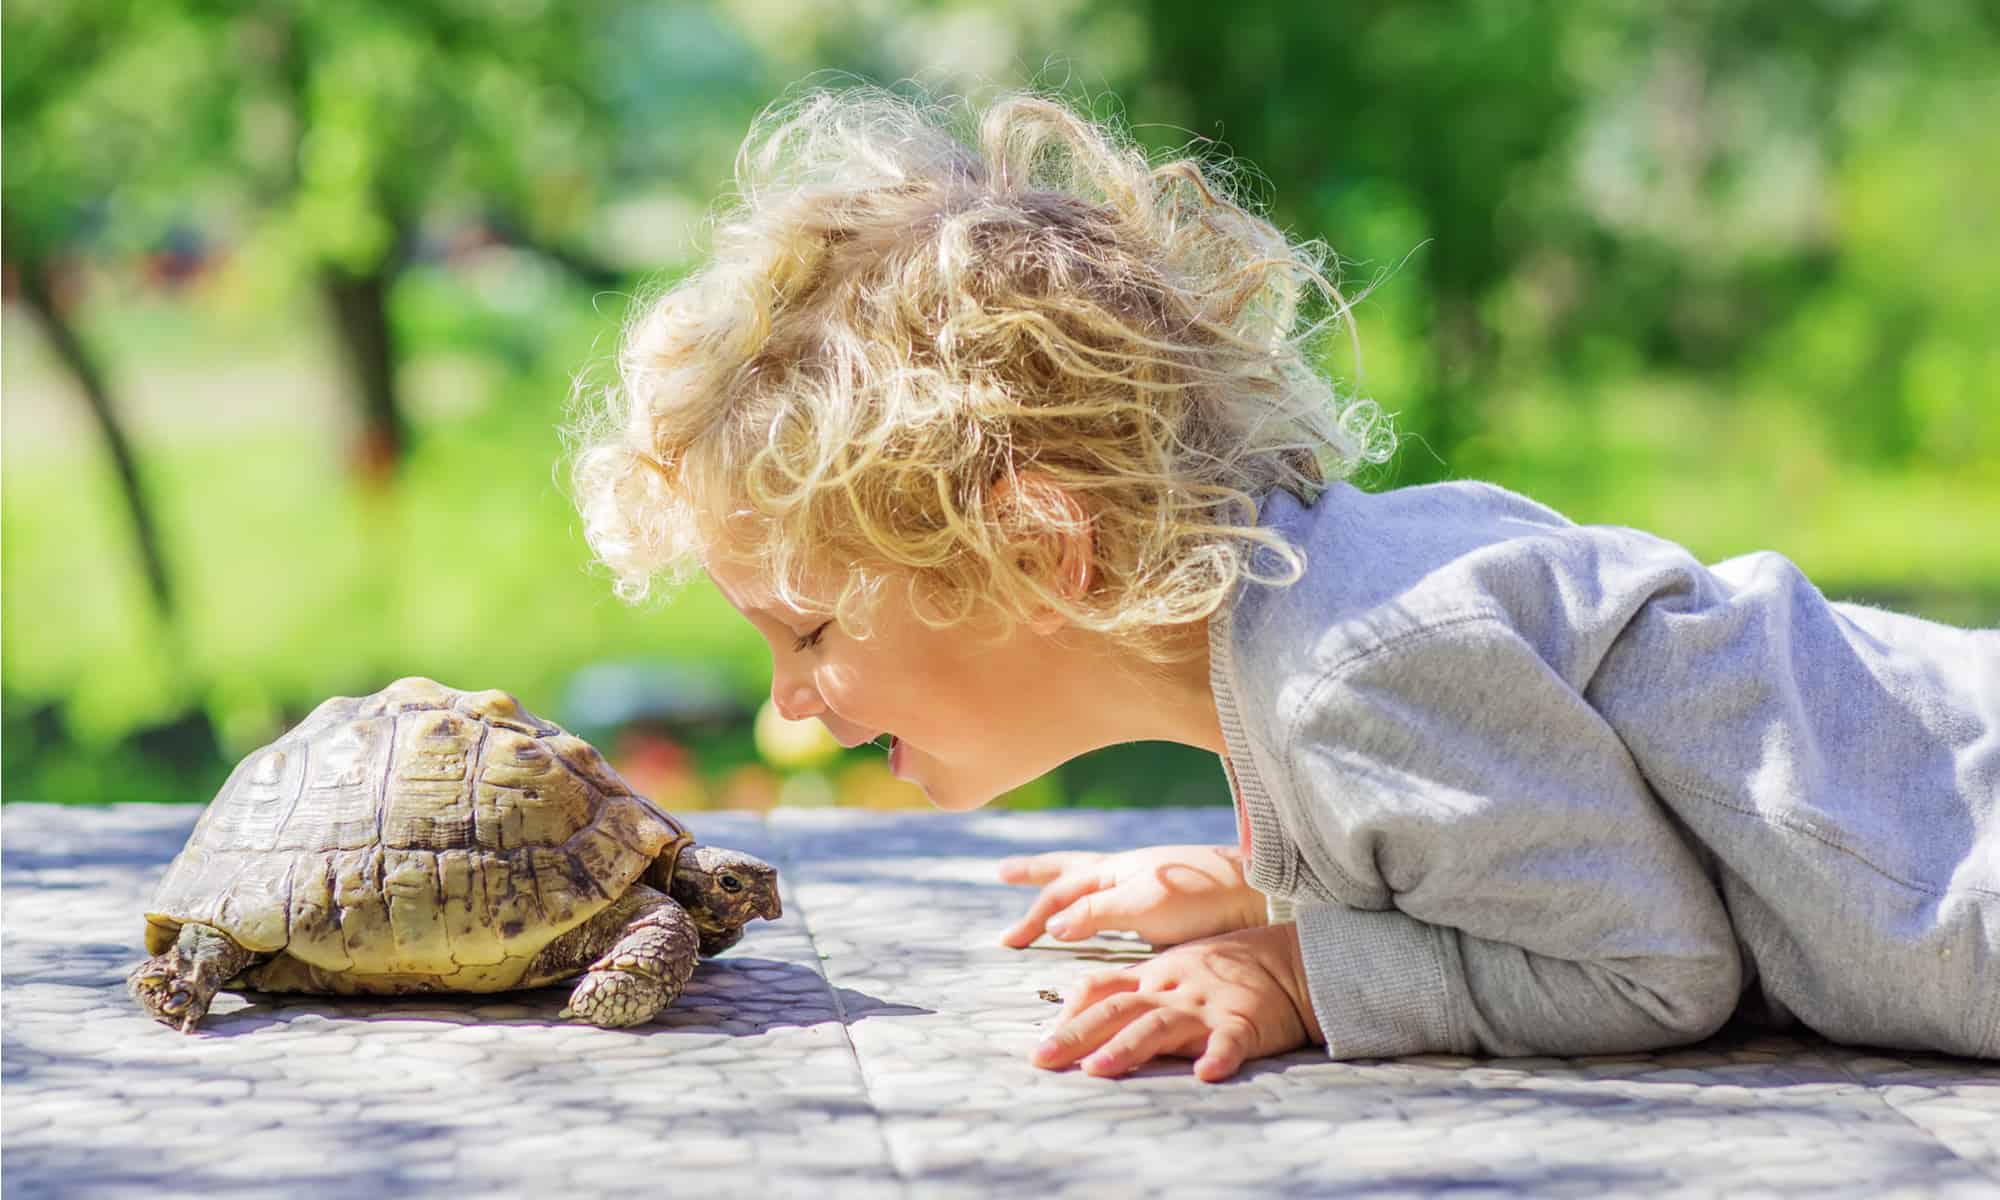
(387, 1096)
(872, 1043)
(906, 908)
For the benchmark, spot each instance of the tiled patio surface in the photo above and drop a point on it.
(871, 1043)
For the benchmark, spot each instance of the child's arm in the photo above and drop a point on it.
(1516, 888)
(1510, 884)
(1165, 894)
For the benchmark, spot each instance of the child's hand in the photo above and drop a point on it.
(1165, 894)
(1219, 1001)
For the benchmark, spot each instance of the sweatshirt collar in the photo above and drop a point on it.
(1268, 866)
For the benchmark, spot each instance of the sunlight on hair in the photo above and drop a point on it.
(910, 304)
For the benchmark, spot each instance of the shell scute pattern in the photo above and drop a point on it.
(420, 831)
(502, 711)
(526, 796)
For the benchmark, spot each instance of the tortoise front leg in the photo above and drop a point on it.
(178, 986)
(651, 956)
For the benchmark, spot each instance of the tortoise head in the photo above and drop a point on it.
(723, 889)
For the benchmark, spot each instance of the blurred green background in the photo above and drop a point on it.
(295, 293)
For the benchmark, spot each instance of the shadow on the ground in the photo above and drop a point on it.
(723, 1000)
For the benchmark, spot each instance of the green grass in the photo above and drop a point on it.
(294, 581)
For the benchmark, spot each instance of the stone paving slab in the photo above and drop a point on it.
(871, 1043)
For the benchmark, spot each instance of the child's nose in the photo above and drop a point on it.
(797, 705)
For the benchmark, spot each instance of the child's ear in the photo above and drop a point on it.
(1061, 524)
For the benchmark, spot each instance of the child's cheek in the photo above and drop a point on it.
(840, 686)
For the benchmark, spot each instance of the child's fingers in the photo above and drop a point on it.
(1054, 898)
(1223, 1057)
(1041, 868)
(1093, 988)
(1078, 1036)
(1157, 1031)
(1088, 913)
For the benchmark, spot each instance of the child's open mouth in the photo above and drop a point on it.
(895, 755)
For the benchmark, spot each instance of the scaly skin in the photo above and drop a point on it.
(178, 986)
(644, 971)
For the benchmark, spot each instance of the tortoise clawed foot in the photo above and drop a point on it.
(169, 996)
(176, 986)
(616, 998)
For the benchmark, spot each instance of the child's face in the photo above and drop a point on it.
(973, 716)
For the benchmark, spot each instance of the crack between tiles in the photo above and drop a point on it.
(904, 1175)
(1881, 1093)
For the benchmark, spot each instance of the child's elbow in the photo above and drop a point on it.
(1700, 998)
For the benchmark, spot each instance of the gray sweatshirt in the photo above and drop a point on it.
(1530, 787)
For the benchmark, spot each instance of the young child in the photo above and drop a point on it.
(1012, 447)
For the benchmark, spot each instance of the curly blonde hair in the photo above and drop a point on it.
(913, 356)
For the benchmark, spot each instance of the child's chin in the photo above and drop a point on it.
(956, 801)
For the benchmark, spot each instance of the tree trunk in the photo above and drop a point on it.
(37, 290)
(361, 314)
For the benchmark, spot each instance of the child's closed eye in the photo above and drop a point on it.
(811, 639)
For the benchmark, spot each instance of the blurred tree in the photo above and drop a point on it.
(87, 115)
(345, 146)
(1649, 177)
(358, 122)
(1430, 107)
(337, 132)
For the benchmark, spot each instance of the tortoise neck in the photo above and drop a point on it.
(666, 875)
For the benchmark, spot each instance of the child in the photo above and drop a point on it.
(1012, 449)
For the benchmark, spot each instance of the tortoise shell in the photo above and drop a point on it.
(418, 832)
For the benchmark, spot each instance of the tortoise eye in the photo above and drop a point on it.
(731, 884)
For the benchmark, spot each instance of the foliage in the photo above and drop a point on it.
(1723, 270)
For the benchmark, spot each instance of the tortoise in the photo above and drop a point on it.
(424, 839)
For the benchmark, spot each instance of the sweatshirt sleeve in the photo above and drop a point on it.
(1521, 890)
